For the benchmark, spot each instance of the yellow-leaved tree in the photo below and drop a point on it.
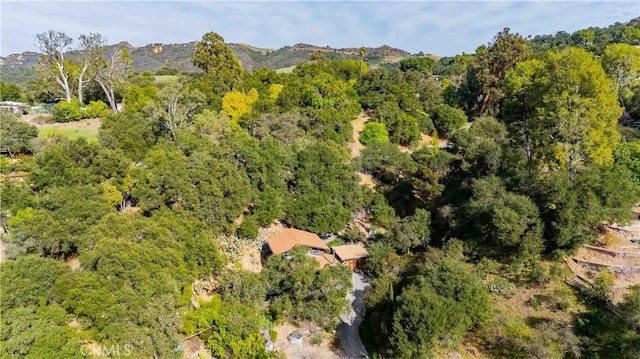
(274, 91)
(237, 104)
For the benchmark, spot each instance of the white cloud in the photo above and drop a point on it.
(441, 27)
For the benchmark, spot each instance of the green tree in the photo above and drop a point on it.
(584, 37)
(583, 108)
(606, 335)
(481, 147)
(437, 309)
(487, 69)
(167, 71)
(520, 86)
(55, 167)
(573, 206)
(95, 109)
(502, 220)
(324, 189)
(426, 126)
(422, 64)
(430, 316)
(34, 325)
(142, 268)
(569, 117)
(406, 131)
(628, 154)
(228, 329)
(132, 133)
(249, 228)
(305, 292)
(385, 158)
(325, 92)
(363, 52)
(213, 190)
(16, 136)
(53, 229)
(374, 132)
(176, 107)
(448, 119)
(10, 92)
(201, 252)
(214, 58)
(411, 232)
(622, 63)
(631, 305)
(244, 287)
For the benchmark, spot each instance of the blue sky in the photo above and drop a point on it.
(438, 27)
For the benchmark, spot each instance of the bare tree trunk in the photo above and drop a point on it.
(112, 99)
(53, 44)
(109, 94)
(112, 74)
(81, 83)
(63, 81)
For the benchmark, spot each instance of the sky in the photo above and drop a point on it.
(443, 28)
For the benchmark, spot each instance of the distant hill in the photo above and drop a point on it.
(20, 68)
(594, 39)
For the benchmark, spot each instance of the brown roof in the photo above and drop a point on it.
(324, 260)
(291, 237)
(350, 251)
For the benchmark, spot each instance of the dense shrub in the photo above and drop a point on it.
(248, 228)
(95, 109)
(448, 119)
(167, 71)
(425, 124)
(406, 130)
(65, 111)
(374, 132)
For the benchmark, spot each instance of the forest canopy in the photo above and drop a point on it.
(474, 174)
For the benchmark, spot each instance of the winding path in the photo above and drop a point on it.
(358, 124)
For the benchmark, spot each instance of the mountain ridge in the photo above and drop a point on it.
(21, 68)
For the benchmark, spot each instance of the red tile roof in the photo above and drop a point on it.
(287, 239)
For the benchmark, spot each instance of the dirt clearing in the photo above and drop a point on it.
(306, 350)
(87, 128)
(194, 348)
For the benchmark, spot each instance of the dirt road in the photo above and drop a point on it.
(348, 334)
(358, 125)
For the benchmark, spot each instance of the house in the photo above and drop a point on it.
(351, 255)
(15, 107)
(282, 242)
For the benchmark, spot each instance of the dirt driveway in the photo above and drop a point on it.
(348, 334)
